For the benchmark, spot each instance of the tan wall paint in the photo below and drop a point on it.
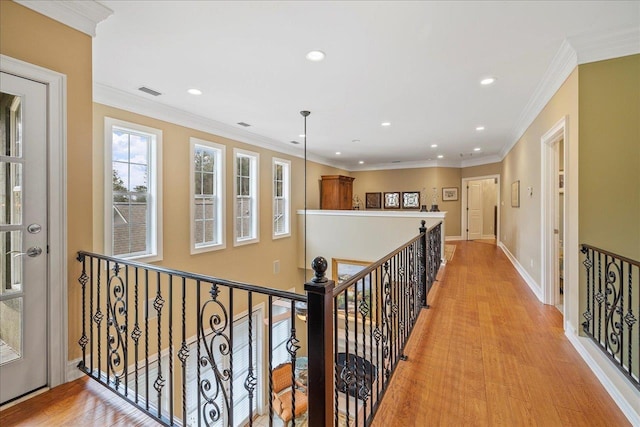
(610, 155)
(520, 228)
(482, 170)
(418, 179)
(34, 38)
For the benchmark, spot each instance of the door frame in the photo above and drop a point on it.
(463, 207)
(549, 200)
(57, 314)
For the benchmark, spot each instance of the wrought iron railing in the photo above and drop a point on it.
(362, 327)
(612, 307)
(190, 349)
(183, 346)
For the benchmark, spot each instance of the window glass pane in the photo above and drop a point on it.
(138, 178)
(11, 263)
(207, 183)
(10, 193)
(120, 177)
(139, 149)
(209, 231)
(11, 125)
(11, 330)
(120, 239)
(198, 182)
(138, 238)
(207, 161)
(120, 146)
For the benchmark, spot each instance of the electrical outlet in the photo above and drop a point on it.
(276, 266)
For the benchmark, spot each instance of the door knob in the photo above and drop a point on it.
(32, 252)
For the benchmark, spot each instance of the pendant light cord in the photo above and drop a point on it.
(305, 114)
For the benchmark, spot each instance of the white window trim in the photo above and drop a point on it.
(220, 190)
(255, 163)
(155, 182)
(287, 196)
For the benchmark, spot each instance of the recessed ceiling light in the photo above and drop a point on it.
(476, 149)
(338, 153)
(355, 140)
(361, 162)
(194, 91)
(315, 55)
(480, 128)
(301, 135)
(385, 124)
(440, 156)
(487, 81)
(434, 145)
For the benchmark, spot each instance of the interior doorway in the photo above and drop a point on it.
(480, 208)
(554, 185)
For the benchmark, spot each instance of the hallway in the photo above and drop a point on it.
(488, 353)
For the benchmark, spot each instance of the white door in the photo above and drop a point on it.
(474, 210)
(23, 236)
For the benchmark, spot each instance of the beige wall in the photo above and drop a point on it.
(520, 228)
(482, 170)
(33, 38)
(610, 155)
(418, 179)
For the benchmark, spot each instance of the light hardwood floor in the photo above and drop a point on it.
(488, 353)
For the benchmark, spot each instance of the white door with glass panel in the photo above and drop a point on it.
(23, 236)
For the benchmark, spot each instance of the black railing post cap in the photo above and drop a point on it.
(319, 266)
(423, 222)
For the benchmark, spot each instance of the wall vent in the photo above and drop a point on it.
(295, 142)
(244, 124)
(149, 91)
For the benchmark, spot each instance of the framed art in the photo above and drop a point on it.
(410, 200)
(561, 181)
(392, 200)
(515, 194)
(449, 194)
(373, 200)
(341, 271)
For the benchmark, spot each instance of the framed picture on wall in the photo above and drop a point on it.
(341, 271)
(449, 194)
(515, 194)
(411, 200)
(373, 200)
(392, 200)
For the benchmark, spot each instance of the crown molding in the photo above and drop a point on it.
(479, 161)
(485, 160)
(116, 98)
(561, 66)
(606, 45)
(82, 15)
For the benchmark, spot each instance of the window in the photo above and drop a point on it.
(207, 196)
(133, 220)
(281, 198)
(246, 197)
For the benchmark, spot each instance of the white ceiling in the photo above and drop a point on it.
(414, 64)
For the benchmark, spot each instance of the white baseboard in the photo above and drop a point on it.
(488, 236)
(73, 373)
(625, 395)
(452, 238)
(523, 273)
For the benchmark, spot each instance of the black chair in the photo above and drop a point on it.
(355, 377)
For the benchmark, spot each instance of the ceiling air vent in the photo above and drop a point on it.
(295, 142)
(244, 124)
(149, 91)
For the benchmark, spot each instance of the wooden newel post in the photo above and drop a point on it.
(422, 259)
(320, 347)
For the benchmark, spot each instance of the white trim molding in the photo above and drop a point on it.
(57, 188)
(73, 372)
(626, 396)
(535, 288)
(81, 15)
(606, 45)
(453, 238)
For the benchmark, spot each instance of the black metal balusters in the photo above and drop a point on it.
(611, 304)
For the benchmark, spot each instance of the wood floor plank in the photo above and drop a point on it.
(488, 353)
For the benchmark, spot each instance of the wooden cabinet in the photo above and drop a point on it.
(336, 192)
